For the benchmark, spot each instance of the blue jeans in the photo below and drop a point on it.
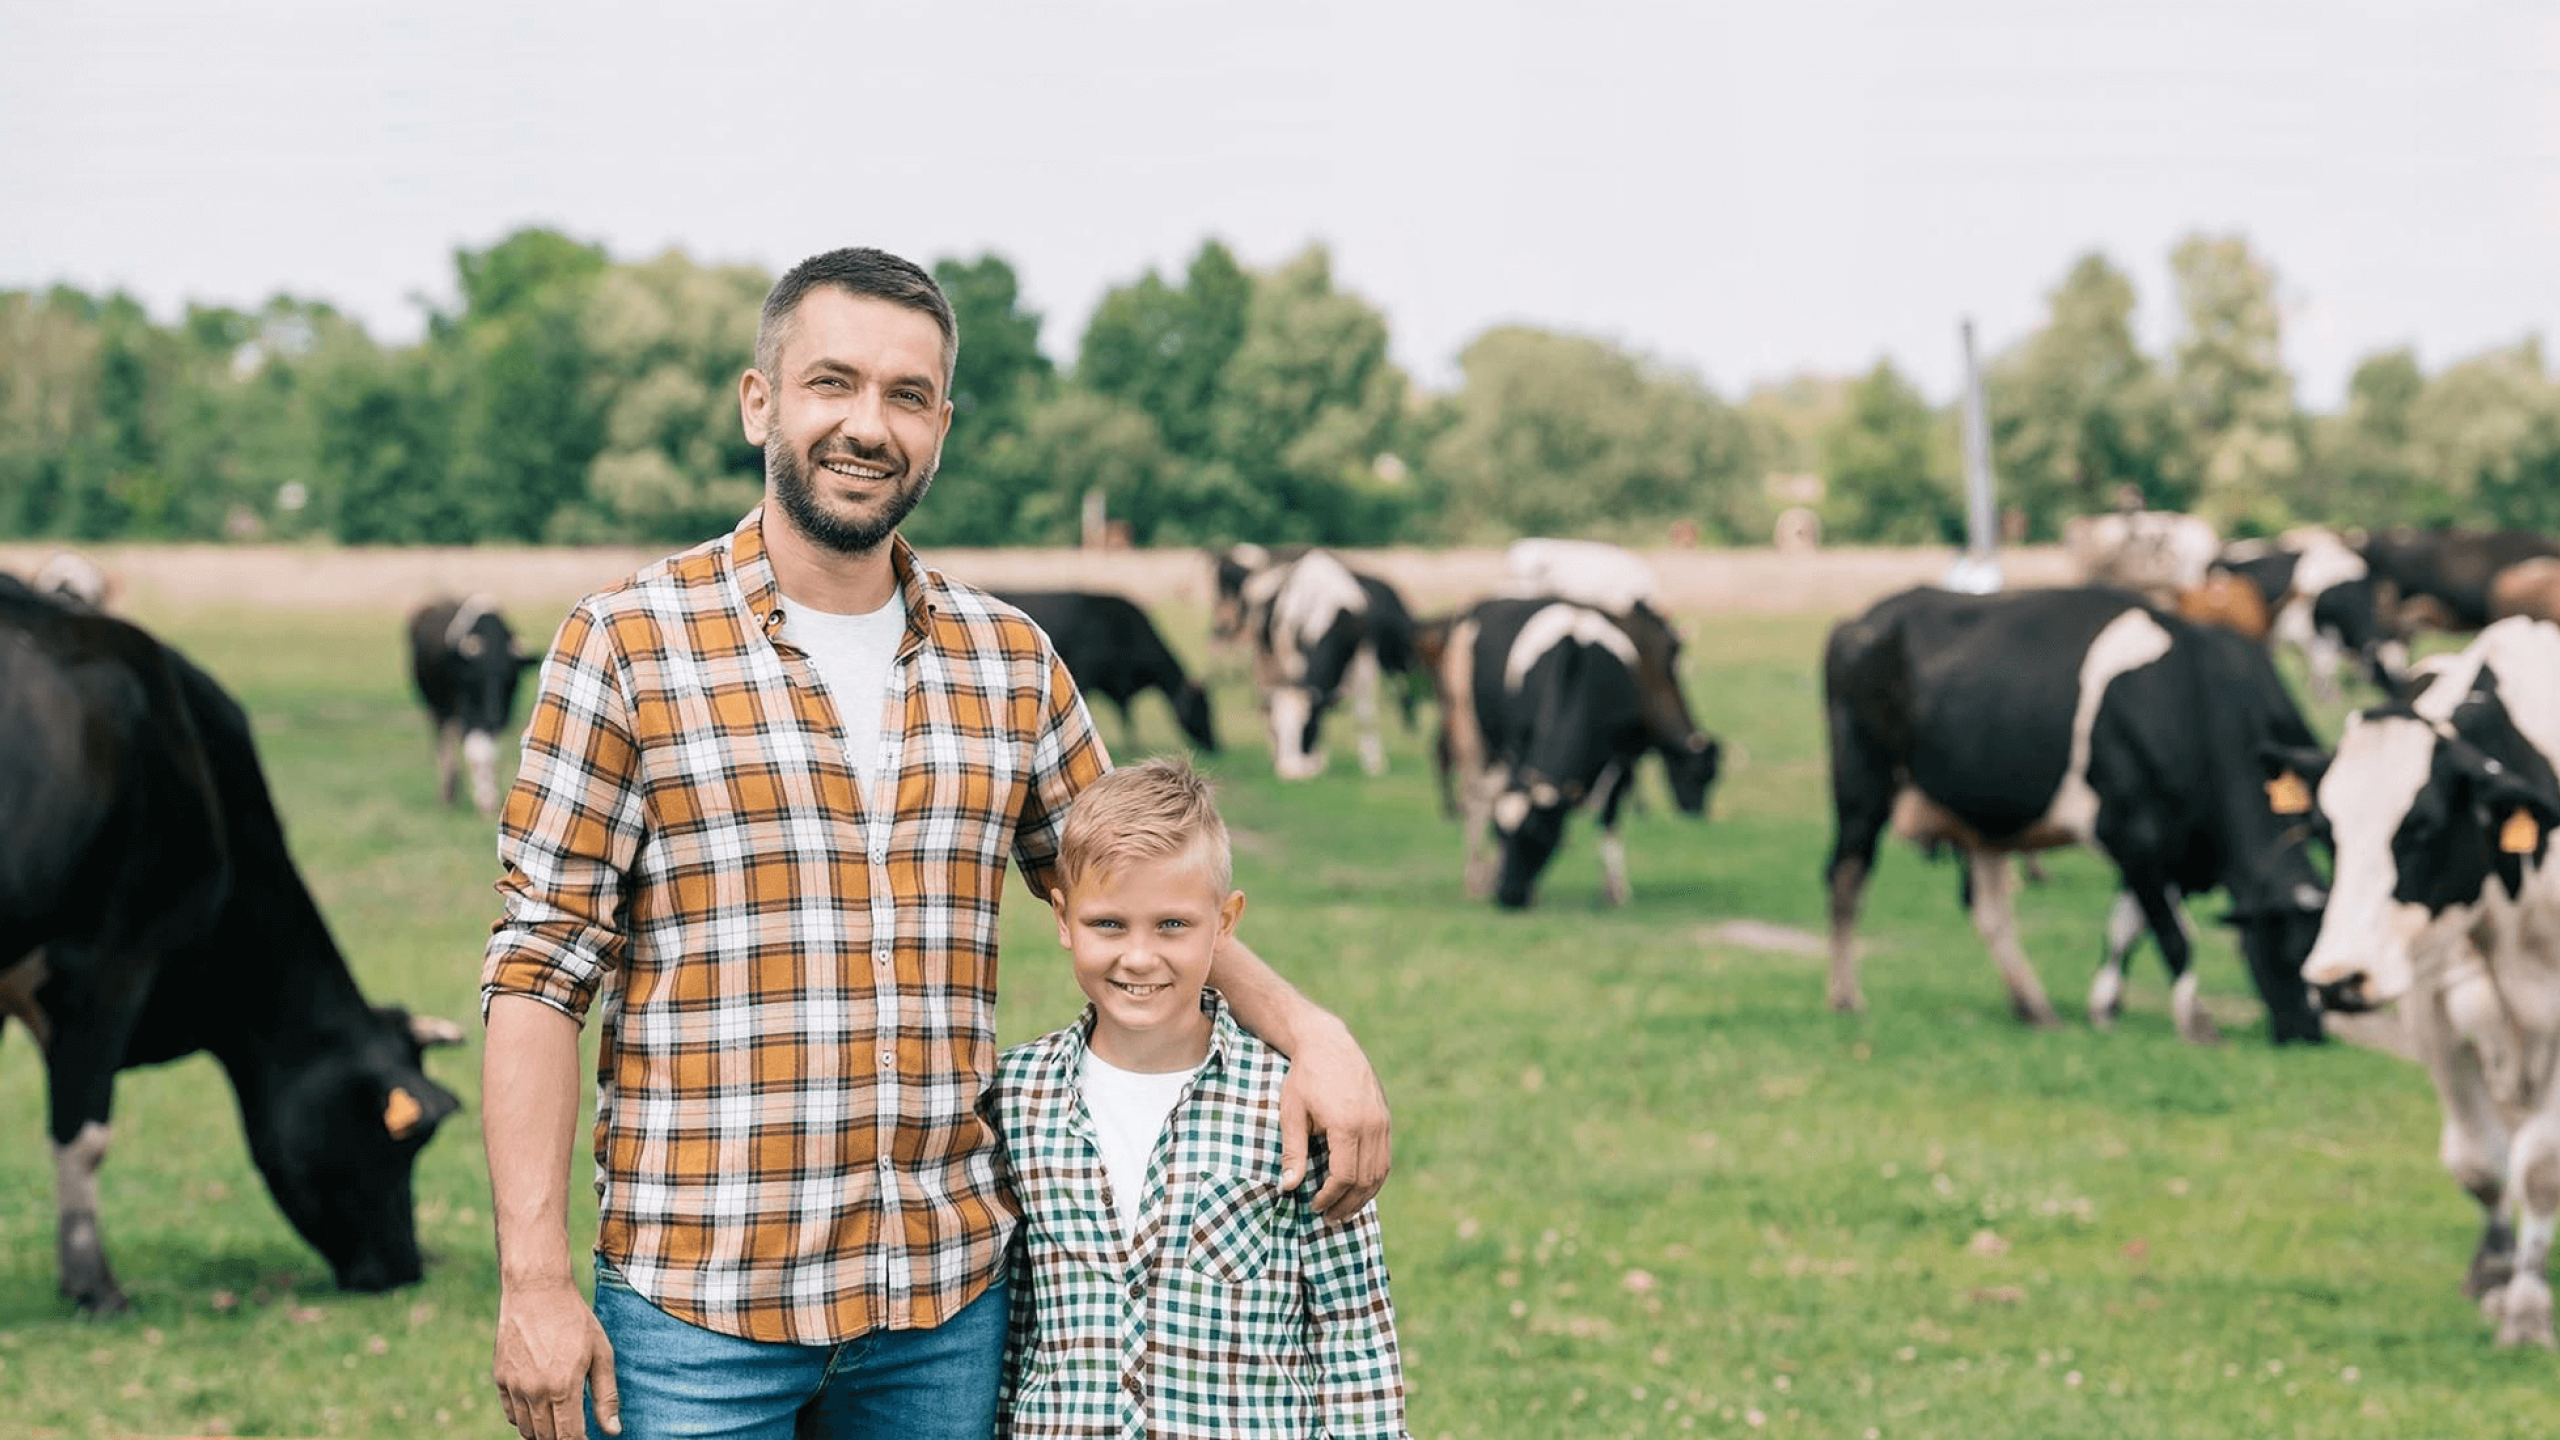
(680, 1379)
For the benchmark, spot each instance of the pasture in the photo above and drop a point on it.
(1645, 1183)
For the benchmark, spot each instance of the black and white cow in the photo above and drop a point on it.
(1112, 649)
(2440, 812)
(1317, 629)
(1546, 705)
(2041, 718)
(2322, 597)
(467, 666)
(149, 909)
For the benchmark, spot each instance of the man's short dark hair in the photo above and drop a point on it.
(856, 270)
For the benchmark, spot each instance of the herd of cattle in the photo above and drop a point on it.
(2141, 715)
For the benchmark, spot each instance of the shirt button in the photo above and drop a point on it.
(1133, 1385)
(888, 1058)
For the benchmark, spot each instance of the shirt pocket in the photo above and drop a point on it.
(1231, 1227)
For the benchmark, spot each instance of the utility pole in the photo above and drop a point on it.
(1977, 571)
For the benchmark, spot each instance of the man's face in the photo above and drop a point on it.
(1143, 938)
(853, 418)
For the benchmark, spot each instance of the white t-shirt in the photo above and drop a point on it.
(853, 654)
(1129, 1108)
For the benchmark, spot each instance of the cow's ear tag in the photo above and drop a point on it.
(2520, 834)
(2287, 795)
(400, 1113)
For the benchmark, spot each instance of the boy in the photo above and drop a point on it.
(1162, 1283)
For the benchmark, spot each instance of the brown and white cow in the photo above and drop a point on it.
(2440, 811)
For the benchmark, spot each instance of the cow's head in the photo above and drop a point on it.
(1690, 756)
(1191, 708)
(1232, 567)
(2430, 819)
(336, 1132)
(1528, 823)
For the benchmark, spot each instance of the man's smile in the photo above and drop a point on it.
(856, 469)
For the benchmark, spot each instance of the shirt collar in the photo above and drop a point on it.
(753, 566)
(1222, 1034)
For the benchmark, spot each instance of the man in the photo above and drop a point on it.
(768, 793)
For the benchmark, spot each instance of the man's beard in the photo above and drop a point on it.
(846, 535)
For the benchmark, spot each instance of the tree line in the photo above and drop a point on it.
(567, 397)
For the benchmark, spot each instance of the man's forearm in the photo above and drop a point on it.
(1269, 1006)
(529, 1118)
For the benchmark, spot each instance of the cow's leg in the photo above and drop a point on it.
(81, 1253)
(2159, 902)
(93, 1020)
(448, 753)
(1363, 682)
(1995, 919)
(2524, 1318)
(1293, 715)
(1614, 785)
(2124, 931)
(1862, 793)
(1483, 865)
(480, 755)
(2474, 1144)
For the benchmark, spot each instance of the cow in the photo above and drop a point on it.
(1112, 649)
(71, 576)
(1547, 704)
(2323, 604)
(467, 667)
(149, 909)
(2454, 571)
(2025, 721)
(2155, 552)
(2439, 810)
(1316, 629)
(1590, 572)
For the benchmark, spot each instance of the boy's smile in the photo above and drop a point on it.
(1144, 937)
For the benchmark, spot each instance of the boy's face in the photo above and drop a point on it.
(1143, 936)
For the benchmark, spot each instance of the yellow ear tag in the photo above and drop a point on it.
(400, 1113)
(2519, 835)
(2287, 795)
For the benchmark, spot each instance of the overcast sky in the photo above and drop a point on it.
(1744, 189)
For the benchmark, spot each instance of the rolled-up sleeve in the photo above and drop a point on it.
(1066, 757)
(570, 830)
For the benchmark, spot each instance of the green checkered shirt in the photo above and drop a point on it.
(1234, 1313)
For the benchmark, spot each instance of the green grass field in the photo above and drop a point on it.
(1645, 1183)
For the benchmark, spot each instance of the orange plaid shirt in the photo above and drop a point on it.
(799, 979)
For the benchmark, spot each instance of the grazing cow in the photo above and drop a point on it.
(1317, 628)
(1112, 649)
(149, 909)
(2454, 569)
(467, 666)
(2021, 722)
(2155, 552)
(2440, 810)
(1546, 704)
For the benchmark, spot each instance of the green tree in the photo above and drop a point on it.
(1072, 443)
(1890, 466)
(1164, 348)
(49, 360)
(2364, 466)
(1001, 378)
(1556, 434)
(1304, 414)
(2487, 431)
(529, 424)
(669, 338)
(2234, 395)
(2076, 410)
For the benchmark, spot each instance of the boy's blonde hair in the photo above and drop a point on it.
(1159, 809)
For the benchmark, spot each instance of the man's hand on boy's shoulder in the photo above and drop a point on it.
(1332, 1092)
